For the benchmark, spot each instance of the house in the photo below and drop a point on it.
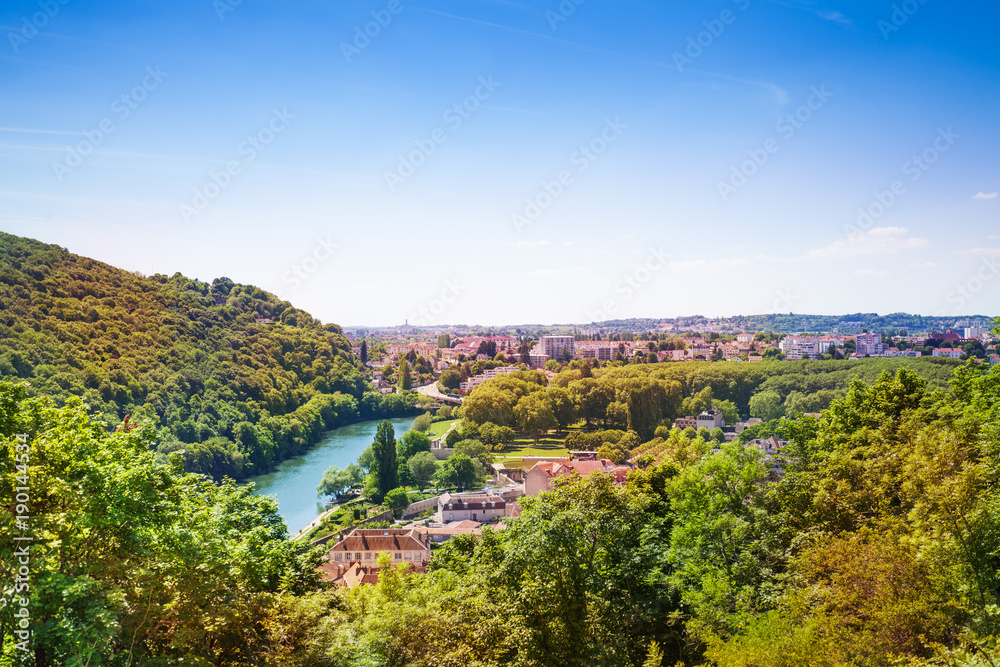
(364, 545)
(950, 352)
(439, 534)
(541, 476)
(479, 507)
(710, 419)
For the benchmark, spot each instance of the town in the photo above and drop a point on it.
(447, 370)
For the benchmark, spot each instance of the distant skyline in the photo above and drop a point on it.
(498, 161)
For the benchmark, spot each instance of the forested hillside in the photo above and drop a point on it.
(232, 391)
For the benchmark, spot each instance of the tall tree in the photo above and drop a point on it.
(405, 381)
(364, 352)
(384, 463)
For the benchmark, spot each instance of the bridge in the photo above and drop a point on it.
(432, 391)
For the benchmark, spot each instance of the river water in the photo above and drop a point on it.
(294, 481)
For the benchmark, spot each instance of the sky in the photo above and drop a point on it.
(499, 162)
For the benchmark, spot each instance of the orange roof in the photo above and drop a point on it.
(380, 540)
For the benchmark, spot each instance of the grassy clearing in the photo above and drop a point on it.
(440, 428)
(525, 446)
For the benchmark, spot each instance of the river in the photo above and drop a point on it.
(294, 481)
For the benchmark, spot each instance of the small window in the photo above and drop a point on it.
(336, 557)
(368, 556)
(398, 555)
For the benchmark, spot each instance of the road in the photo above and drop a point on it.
(432, 391)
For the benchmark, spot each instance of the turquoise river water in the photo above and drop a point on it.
(294, 481)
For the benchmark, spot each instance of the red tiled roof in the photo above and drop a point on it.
(379, 540)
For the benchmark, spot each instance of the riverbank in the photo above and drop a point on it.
(293, 482)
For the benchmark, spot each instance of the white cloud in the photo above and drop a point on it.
(923, 265)
(877, 241)
(871, 272)
(568, 244)
(985, 195)
(981, 251)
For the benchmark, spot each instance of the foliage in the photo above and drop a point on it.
(117, 538)
(383, 470)
(233, 379)
(422, 467)
(336, 481)
(422, 423)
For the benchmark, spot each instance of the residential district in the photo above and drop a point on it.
(441, 366)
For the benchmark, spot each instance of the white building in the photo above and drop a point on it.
(554, 347)
(795, 349)
(868, 344)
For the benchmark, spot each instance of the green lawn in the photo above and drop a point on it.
(524, 446)
(439, 428)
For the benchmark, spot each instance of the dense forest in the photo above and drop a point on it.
(879, 545)
(230, 375)
(643, 398)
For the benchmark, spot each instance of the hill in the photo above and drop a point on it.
(233, 377)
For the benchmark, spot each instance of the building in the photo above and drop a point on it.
(950, 352)
(710, 419)
(543, 473)
(745, 337)
(474, 382)
(601, 350)
(479, 507)
(797, 348)
(439, 534)
(364, 545)
(555, 347)
(868, 345)
(684, 422)
(976, 331)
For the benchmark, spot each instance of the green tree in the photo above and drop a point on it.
(405, 381)
(336, 481)
(422, 423)
(364, 352)
(412, 443)
(384, 460)
(458, 470)
(766, 405)
(422, 468)
(534, 415)
(397, 500)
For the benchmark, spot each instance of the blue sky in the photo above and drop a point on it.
(498, 161)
